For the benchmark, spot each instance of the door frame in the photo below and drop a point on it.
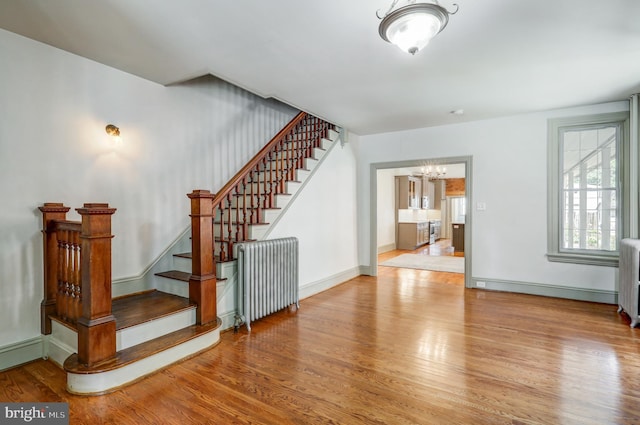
(373, 206)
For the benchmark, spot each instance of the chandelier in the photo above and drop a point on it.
(411, 27)
(433, 173)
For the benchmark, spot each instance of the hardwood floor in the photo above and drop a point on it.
(406, 347)
(442, 247)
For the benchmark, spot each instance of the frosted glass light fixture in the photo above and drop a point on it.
(411, 27)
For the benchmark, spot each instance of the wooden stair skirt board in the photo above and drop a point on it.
(134, 363)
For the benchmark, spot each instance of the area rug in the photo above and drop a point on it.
(427, 262)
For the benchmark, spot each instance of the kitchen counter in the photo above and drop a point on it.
(412, 234)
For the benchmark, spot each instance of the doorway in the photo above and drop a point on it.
(454, 208)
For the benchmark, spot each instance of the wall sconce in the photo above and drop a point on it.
(114, 132)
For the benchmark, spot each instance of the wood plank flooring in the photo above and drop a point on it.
(405, 347)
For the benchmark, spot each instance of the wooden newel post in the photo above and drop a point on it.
(202, 284)
(50, 212)
(96, 325)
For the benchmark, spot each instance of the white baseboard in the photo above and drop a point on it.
(386, 248)
(21, 352)
(322, 285)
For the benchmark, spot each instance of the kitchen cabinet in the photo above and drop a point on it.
(413, 235)
(408, 192)
(440, 194)
(428, 191)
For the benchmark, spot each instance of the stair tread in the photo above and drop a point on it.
(180, 275)
(189, 255)
(138, 308)
(176, 274)
(141, 351)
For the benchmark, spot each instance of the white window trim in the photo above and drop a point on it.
(555, 125)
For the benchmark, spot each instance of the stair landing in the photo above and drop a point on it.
(144, 307)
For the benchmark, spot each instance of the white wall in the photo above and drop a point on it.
(324, 219)
(53, 148)
(509, 157)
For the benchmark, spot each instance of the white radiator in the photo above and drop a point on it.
(267, 278)
(629, 275)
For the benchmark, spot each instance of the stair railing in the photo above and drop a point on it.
(253, 189)
(77, 277)
(220, 220)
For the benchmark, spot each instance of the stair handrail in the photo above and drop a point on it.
(240, 175)
(263, 177)
(77, 277)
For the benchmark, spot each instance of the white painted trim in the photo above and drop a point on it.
(21, 352)
(316, 287)
(373, 208)
(228, 319)
(58, 351)
(96, 383)
(386, 248)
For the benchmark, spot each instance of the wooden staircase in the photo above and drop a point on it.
(247, 207)
(104, 343)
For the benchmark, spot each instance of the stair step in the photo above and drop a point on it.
(140, 360)
(139, 308)
(139, 351)
(180, 275)
(175, 275)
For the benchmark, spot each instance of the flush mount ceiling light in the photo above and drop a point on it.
(411, 27)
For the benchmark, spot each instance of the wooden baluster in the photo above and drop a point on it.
(280, 170)
(51, 212)
(220, 216)
(316, 133)
(202, 283)
(309, 137)
(96, 326)
(295, 142)
(228, 226)
(252, 193)
(255, 200)
(290, 172)
(239, 191)
(64, 265)
(60, 310)
(76, 310)
(265, 176)
(274, 163)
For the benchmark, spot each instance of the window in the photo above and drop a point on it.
(585, 222)
(458, 209)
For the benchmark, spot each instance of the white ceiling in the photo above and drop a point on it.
(495, 57)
